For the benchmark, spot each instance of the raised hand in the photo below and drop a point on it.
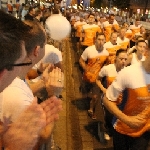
(52, 107)
(24, 132)
(55, 82)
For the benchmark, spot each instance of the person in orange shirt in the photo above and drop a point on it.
(95, 56)
(112, 46)
(131, 120)
(110, 26)
(122, 40)
(78, 26)
(108, 74)
(89, 31)
(135, 29)
(10, 7)
(128, 31)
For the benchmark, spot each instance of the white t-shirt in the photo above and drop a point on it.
(119, 40)
(91, 52)
(108, 71)
(135, 60)
(134, 82)
(15, 98)
(109, 45)
(52, 55)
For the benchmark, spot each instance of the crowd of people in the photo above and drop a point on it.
(114, 58)
(115, 61)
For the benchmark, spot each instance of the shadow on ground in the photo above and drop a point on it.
(82, 104)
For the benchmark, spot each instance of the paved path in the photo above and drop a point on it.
(75, 130)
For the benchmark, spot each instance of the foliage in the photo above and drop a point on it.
(97, 4)
(122, 4)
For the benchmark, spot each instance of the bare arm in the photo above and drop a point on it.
(36, 87)
(82, 63)
(132, 121)
(100, 85)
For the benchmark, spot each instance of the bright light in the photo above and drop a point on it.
(75, 7)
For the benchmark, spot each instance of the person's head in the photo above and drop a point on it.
(125, 25)
(121, 58)
(38, 14)
(122, 32)
(111, 18)
(138, 38)
(113, 38)
(91, 18)
(146, 35)
(55, 11)
(35, 46)
(141, 47)
(81, 18)
(32, 11)
(146, 63)
(100, 41)
(137, 22)
(142, 30)
(13, 33)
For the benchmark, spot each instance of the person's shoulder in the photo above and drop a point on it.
(16, 86)
(105, 52)
(107, 43)
(49, 47)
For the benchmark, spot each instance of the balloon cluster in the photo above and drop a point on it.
(58, 27)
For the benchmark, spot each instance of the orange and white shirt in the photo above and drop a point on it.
(109, 72)
(129, 34)
(96, 60)
(10, 7)
(78, 25)
(108, 28)
(90, 33)
(134, 29)
(134, 83)
(123, 43)
(112, 51)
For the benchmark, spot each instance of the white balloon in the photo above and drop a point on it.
(58, 27)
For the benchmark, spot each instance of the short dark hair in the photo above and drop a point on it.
(111, 15)
(139, 41)
(30, 9)
(91, 14)
(38, 36)
(38, 12)
(120, 51)
(99, 34)
(55, 11)
(12, 34)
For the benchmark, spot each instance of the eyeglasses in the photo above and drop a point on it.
(10, 66)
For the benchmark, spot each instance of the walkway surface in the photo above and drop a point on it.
(75, 130)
